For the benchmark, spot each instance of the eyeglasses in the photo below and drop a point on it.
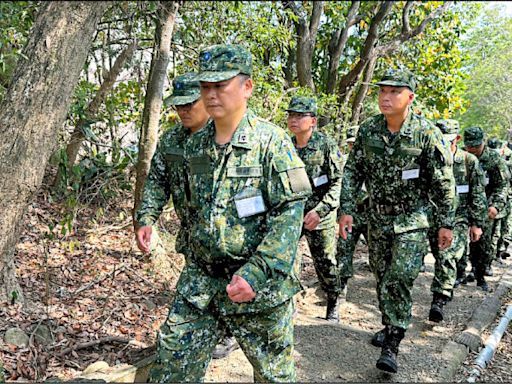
(185, 107)
(298, 115)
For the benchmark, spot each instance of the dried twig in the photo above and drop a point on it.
(92, 343)
(99, 279)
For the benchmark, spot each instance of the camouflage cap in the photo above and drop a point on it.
(223, 62)
(399, 78)
(302, 104)
(449, 128)
(185, 90)
(352, 133)
(494, 143)
(473, 136)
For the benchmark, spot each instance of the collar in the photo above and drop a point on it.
(245, 134)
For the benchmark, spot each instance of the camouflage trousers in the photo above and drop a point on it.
(506, 232)
(445, 270)
(395, 260)
(322, 244)
(483, 252)
(346, 248)
(188, 336)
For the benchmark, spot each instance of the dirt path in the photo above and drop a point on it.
(326, 352)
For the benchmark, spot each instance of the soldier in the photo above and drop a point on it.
(402, 160)
(321, 156)
(346, 248)
(471, 212)
(247, 190)
(496, 178)
(167, 172)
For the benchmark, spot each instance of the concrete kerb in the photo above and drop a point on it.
(455, 351)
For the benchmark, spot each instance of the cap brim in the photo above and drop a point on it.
(300, 111)
(350, 140)
(393, 83)
(472, 143)
(181, 100)
(450, 136)
(215, 77)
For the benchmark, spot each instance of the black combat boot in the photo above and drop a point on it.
(480, 282)
(387, 359)
(461, 279)
(378, 338)
(227, 345)
(471, 276)
(436, 309)
(333, 307)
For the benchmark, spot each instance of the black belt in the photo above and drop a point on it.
(388, 209)
(218, 271)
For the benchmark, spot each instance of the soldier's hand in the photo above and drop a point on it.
(345, 222)
(475, 233)
(311, 220)
(239, 290)
(445, 238)
(492, 212)
(143, 236)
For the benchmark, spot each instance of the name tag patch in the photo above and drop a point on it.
(410, 174)
(320, 180)
(463, 188)
(249, 202)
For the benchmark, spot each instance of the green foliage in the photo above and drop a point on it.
(16, 19)
(489, 73)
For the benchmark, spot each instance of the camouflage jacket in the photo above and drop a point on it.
(469, 178)
(497, 177)
(247, 199)
(401, 171)
(322, 159)
(167, 177)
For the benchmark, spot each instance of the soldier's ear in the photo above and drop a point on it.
(411, 97)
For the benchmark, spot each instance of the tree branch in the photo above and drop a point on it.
(350, 78)
(318, 8)
(406, 26)
(397, 41)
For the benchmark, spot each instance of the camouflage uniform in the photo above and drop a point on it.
(399, 171)
(166, 176)
(322, 159)
(496, 181)
(346, 248)
(471, 210)
(247, 198)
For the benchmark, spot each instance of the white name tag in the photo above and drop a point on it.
(410, 174)
(250, 206)
(462, 188)
(320, 180)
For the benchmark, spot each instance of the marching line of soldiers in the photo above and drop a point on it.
(246, 192)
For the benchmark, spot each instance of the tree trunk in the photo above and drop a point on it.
(78, 136)
(357, 105)
(33, 111)
(306, 40)
(154, 93)
(337, 45)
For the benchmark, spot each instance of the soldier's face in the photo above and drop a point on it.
(394, 100)
(477, 150)
(300, 122)
(223, 99)
(193, 115)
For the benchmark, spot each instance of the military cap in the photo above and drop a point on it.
(185, 90)
(494, 143)
(473, 136)
(223, 62)
(399, 78)
(449, 128)
(352, 133)
(302, 104)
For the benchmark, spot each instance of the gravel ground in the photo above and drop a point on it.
(326, 352)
